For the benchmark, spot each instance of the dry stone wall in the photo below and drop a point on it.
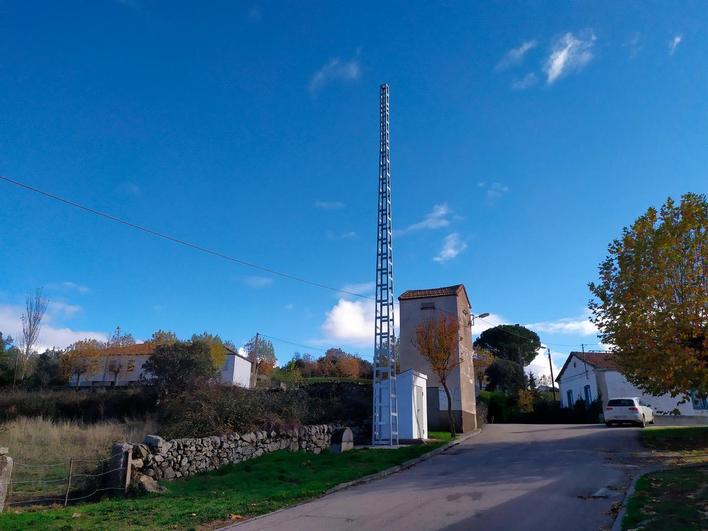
(162, 459)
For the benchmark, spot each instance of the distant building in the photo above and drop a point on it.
(123, 366)
(589, 375)
(417, 307)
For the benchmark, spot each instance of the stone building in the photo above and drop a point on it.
(417, 307)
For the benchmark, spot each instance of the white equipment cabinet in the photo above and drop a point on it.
(412, 405)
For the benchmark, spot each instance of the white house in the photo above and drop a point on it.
(122, 366)
(590, 375)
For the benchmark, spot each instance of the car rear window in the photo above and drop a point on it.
(621, 402)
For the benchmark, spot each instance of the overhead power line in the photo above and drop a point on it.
(179, 241)
(213, 252)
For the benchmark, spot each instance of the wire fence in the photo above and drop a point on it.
(64, 482)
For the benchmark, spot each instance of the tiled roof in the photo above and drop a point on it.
(601, 360)
(434, 292)
(139, 349)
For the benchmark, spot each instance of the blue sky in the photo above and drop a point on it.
(524, 137)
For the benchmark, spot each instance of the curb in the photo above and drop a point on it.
(617, 525)
(371, 477)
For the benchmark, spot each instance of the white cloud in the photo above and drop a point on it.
(634, 44)
(435, 219)
(452, 246)
(674, 42)
(59, 309)
(329, 205)
(515, 56)
(335, 69)
(493, 190)
(350, 235)
(567, 325)
(289, 306)
(540, 366)
(568, 53)
(528, 81)
(362, 288)
(128, 189)
(68, 286)
(258, 282)
(352, 323)
(51, 335)
(492, 320)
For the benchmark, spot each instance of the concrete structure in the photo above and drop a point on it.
(412, 405)
(123, 366)
(589, 375)
(417, 307)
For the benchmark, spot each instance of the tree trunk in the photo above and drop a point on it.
(450, 418)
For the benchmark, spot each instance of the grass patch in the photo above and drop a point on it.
(248, 489)
(673, 499)
(443, 436)
(676, 439)
(678, 444)
(41, 449)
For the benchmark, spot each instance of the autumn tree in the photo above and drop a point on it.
(163, 337)
(437, 340)
(120, 339)
(261, 353)
(217, 349)
(79, 357)
(651, 299)
(483, 358)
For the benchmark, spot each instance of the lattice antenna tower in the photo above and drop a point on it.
(385, 421)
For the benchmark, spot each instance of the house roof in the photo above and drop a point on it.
(599, 360)
(446, 291)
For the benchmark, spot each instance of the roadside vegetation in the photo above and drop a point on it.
(676, 498)
(229, 494)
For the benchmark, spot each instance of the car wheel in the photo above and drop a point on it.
(643, 424)
(609, 424)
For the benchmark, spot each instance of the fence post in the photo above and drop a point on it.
(120, 465)
(5, 476)
(68, 483)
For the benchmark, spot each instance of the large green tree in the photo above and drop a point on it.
(180, 366)
(510, 342)
(651, 300)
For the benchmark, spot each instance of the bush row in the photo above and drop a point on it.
(86, 405)
(502, 408)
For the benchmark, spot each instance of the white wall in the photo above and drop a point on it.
(236, 371)
(618, 387)
(406, 383)
(577, 375)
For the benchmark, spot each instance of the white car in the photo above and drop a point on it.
(619, 410)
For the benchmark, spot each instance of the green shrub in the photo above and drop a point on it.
(216, 409)
(91, 405)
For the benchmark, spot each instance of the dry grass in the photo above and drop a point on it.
(42, 448)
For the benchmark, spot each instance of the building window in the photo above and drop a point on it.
(588, 395)
(569, 395)
(698, 400)
(131, 366)
(427, 305)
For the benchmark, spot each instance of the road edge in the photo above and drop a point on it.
(366, 479)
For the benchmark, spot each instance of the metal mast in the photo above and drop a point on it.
(385, 422)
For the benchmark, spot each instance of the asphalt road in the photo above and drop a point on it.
(509, 477)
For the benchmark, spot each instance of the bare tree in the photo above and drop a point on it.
(437, 340)
(35, 308)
